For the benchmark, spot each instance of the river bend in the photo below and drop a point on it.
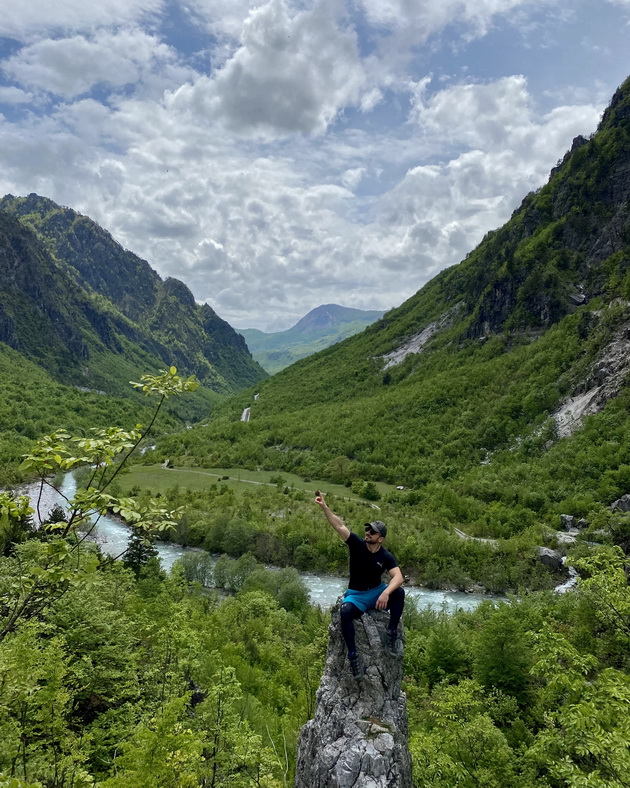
(112, 536)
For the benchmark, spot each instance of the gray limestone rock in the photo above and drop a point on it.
(621, 504)
(567, 521)
(358, 737)
(550, 558)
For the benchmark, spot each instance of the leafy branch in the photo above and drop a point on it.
(107, 451)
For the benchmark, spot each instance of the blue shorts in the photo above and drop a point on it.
(364, 600)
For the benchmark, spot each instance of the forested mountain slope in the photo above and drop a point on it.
(321, 327)
(459, 393)
(80, 305)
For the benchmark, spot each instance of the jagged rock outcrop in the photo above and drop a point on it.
(572, 524)
(358, 737)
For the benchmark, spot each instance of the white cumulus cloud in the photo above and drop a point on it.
(308, 159)
(495, 150)
(431, 16)
(266, 232)
(22, 20)
(224, 18)
(293, 72)
(13, 95)
(407, 23)
(69, 67)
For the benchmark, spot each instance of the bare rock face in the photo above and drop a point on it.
(550, 558)
(416, 343)
(621, 504)
(603, 381)
(358, 737)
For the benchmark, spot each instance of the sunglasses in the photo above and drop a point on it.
(370, 530)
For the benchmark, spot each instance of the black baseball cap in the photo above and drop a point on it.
(377, 526)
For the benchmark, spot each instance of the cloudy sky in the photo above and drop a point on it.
(280, 154)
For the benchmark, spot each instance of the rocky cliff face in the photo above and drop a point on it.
(358, 737)
(563, 243)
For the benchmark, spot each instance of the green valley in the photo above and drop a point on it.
(461, 394)
(80, 317)
(486, 420)
(159, 478)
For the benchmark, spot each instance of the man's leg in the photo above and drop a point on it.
(348, 613)
(395, 607)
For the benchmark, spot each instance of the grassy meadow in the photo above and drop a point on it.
(157, 478)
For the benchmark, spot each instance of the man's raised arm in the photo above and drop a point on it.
(336, 522)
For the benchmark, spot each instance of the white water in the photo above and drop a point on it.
(112, 536)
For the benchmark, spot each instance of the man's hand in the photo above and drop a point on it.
(383, 600)
(319, 499)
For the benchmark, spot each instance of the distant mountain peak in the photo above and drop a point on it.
(321, 327)
(330, 316)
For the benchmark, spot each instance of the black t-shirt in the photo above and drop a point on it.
(366, 568)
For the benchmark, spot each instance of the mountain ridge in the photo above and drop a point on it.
(124, 306)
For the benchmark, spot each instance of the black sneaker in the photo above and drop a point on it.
(391, 642)
(356, 666)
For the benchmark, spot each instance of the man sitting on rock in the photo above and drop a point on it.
(368, 560)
